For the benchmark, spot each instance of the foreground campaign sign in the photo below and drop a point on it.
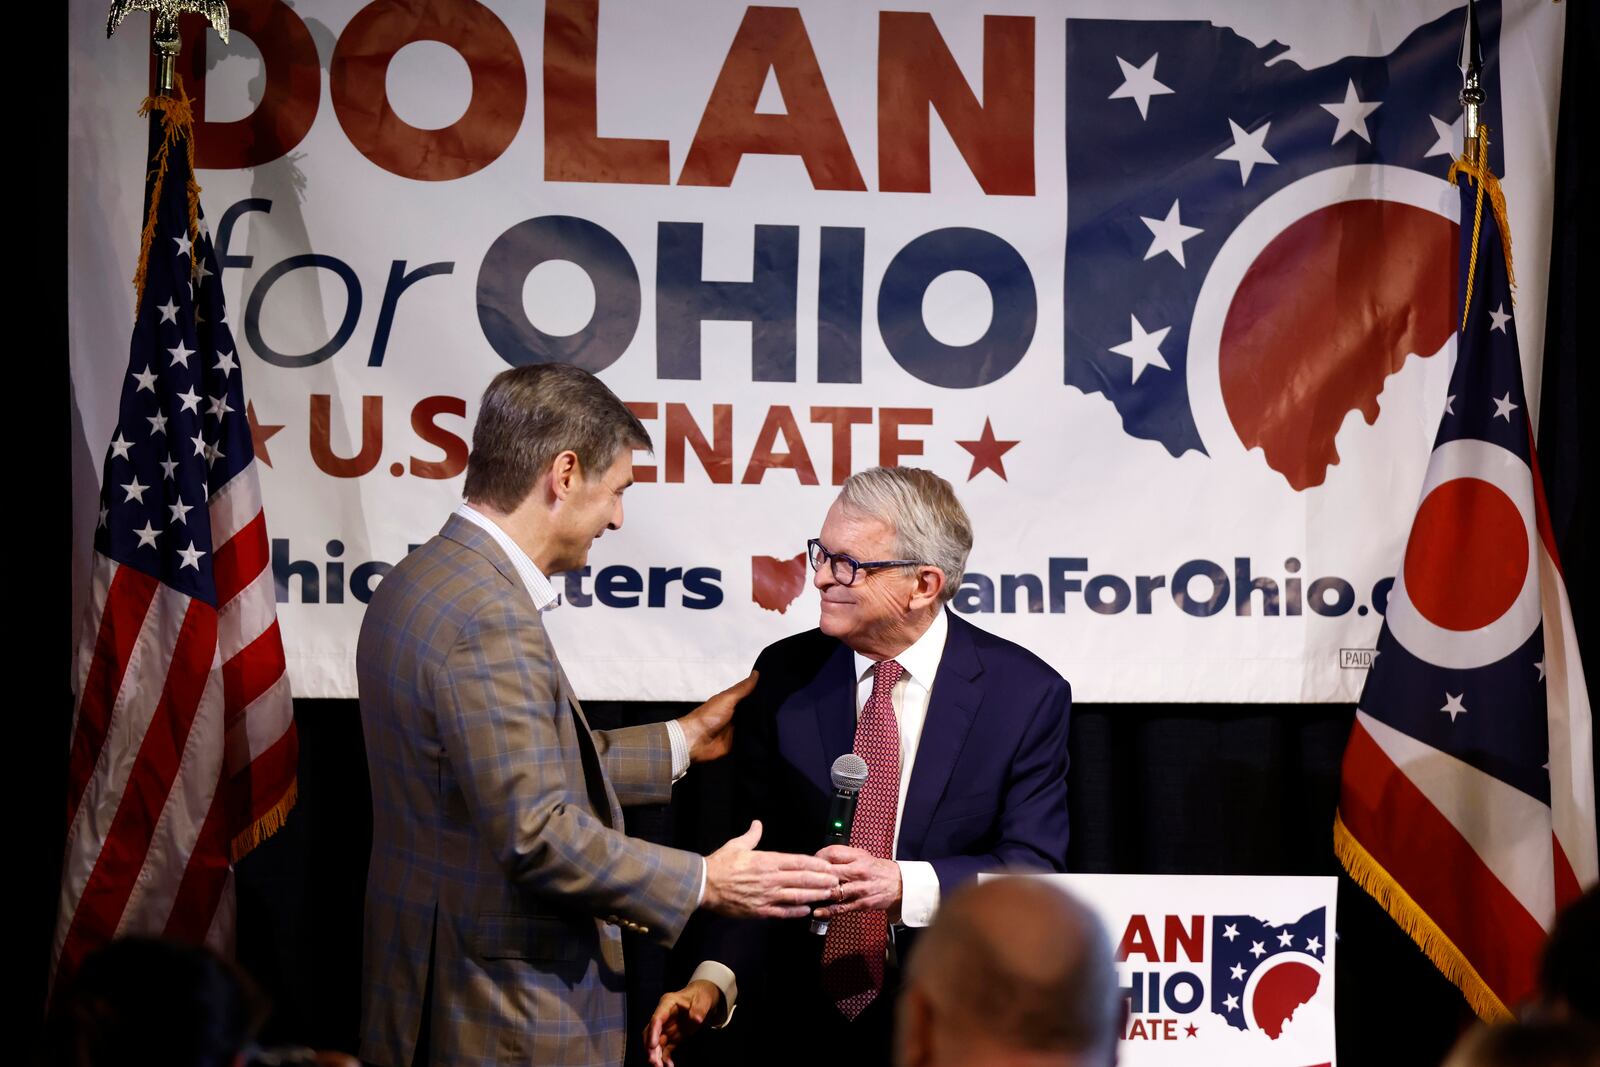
(1236, 972)
(1164, 288)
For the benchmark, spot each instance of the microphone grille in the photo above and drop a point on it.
(849, 772)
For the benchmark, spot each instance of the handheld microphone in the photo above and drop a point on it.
(849, 775)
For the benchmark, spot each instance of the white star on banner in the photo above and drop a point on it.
(1230, 931)
(169, 312)
(101, 525)
(1238, 972)
(119, 447)
(1168, 235)
(1453, 705)
(181, 354)
(169, 465)
(158, 423)
(200, 446)
(226, 362)
(147, 536)
(1449, 402)
(1257, 949)
(1139, 84)
(1540, 668)
(218, 406)
(183, 244)
(1143, 349)
(1285, 939)
(191, 557)
(1499, 317)
(134, 490)
(191, 400)
(1448, 138)
(146, 379)
(1352, 114)
(200, 272)
(1314, 944)
(180, 511)
(1231, 1002)
(1503, 407)
(1248, 149)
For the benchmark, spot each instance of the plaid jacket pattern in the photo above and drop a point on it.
(498, 847)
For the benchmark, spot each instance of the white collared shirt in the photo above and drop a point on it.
(919, 884)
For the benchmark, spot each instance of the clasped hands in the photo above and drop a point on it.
(743, 882)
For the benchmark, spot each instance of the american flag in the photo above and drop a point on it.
(183, 742)
(1467, 793)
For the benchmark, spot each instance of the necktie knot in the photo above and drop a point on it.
(885, 673)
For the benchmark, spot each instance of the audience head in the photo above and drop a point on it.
(1013, 971)
(1568, 988)
(1528, 1044)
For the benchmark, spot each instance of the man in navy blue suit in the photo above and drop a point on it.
(965, 739)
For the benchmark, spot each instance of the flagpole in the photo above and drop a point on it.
(164, 40)
(1472, 95)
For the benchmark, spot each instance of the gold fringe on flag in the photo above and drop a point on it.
(1477, 171)
(177, 122)
(264, 827)
(1370, 875)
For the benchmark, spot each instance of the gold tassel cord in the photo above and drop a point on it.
(177, 123)
(1379, 884)
(1477, 171)
(269, 823)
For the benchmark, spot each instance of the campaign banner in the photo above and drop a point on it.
(1165, 289)
(1232, 971)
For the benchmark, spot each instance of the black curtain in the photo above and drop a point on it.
(1194, 789)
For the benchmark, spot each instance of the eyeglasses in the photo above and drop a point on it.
(844, 568)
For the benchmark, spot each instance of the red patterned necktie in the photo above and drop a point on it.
(854, 950)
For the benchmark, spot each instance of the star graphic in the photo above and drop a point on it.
(191, 400)
(1144, 347)
(168, 465)
(1352, 114)
(191, 557)
(1285, 939)
(226, 362)
(181, 354)
(146, 379)
(1237, 970)
(183, 244)
(1449, 402)
(1231, 1002)
(1448, 141)
(134, 490)
(1230, 931)
(218, 406)
(1248, 149)
(158, 423)
(987, 452)
(1191, 1029)
(1314, 944)
(1139, 84)
(147, 536)
(1500, 317)
(180, 511)
(101, 525)
(1168, 235)
(200, 272)
(169, 312)
(1504, 407)
(1453, 705)
(213, 453)
(201, 448)
(119, 447)
(1257, 949)
(261, 433)
(1540, 668)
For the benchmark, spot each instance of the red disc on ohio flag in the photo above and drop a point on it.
(1467, 558)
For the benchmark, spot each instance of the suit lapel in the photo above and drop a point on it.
(952, 709)
(832, 695)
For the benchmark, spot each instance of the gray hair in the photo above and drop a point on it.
(929, 522)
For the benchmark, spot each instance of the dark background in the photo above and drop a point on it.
(1167, 789)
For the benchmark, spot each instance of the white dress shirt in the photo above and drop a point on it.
(919, 885)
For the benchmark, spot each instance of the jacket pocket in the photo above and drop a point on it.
(510, 936)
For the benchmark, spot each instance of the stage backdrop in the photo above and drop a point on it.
(1166, 289)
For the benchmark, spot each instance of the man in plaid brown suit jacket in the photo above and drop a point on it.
(501, 875)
